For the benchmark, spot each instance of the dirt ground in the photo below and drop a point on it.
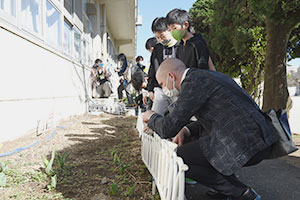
(104, 162)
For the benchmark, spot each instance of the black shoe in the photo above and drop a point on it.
(249, 194)
(215, 194)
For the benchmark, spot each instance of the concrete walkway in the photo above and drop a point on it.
(295, 112)
(277, 179)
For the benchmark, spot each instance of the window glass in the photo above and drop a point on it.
(8, 6)
(77, 45)
(52, 25)
(67, 37)
(84, 52)
(68, 4)
(31, 15)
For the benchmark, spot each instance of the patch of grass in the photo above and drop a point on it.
(100, 167)
(3, 169)
(61, 159)
(37, 176)
(15, 177)
(17, 196)
(130, 192)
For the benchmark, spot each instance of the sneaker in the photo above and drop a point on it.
(215, 194)
(249, 194)
(190, 181)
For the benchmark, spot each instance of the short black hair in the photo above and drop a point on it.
(139, 58)
(151, 42)
(178, 16)
(159, 24)
(137, 80)
(98, 60)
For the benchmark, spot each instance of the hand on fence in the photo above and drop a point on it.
(179, 138)
(147, 115)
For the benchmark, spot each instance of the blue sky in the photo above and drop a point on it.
(295, 62)
(150, 9)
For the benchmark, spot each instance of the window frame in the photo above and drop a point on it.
(9, 18)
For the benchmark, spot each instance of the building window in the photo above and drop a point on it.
(67, 38)
(78, 8)
(84, 52)
(8, 6)
(68, 4)
(53, 28)
(77, 45)
(31, 15)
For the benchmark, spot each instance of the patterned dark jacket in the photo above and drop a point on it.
(230, 129)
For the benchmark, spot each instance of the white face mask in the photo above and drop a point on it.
(170, 93)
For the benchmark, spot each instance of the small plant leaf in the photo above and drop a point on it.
(116, 158)
(2, 179)
(49, 166)
(114, 188)
(130, 191)
(45, 161)
(53, 181)
(3, 167)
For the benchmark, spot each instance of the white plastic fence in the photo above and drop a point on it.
(166, 168)
(107, 106)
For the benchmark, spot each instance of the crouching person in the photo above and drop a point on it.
(104, 87)
(230, 132)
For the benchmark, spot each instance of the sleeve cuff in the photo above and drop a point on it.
(188, 130)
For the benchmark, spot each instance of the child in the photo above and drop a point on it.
(150, 43)
(166, 48)
(192, 49)
(124, 81)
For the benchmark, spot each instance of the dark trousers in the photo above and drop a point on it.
(205, 174)
(120, 93)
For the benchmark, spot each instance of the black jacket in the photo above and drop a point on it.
(159, 54)
(194, 53)
(230, 129)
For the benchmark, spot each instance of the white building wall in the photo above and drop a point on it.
(36, 84)
(40, 74)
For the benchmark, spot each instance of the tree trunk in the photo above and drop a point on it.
(275, 80)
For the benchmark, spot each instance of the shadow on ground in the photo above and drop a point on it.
(92, 167)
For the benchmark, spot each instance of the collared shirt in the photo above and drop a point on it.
(184, 74)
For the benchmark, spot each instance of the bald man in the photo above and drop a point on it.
(230, 131)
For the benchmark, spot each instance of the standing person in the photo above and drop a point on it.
(230, 132)
(93, 77)
(192, 50)
(166, 48)
(124, 81)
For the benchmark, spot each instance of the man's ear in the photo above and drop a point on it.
(171, 75)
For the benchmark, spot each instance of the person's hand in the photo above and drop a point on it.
(151, 95)
(145, 100)
(179, 138)
(147, 115)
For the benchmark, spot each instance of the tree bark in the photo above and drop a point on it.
(275, 81)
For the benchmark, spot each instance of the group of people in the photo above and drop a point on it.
(218, 127)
